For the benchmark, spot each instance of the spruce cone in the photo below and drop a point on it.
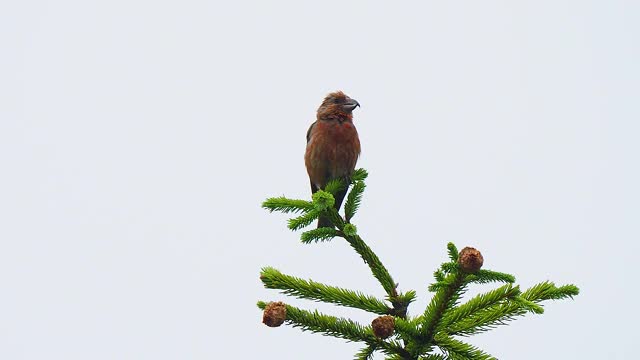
(274, 314)
(383, 326)
(470, 260)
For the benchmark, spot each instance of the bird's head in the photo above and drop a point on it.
(337, 106)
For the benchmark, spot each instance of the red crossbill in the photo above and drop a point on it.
(333, 146)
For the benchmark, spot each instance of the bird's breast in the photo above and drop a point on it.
(336, 135)
(332, 151)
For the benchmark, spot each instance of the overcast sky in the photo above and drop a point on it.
(139, 138)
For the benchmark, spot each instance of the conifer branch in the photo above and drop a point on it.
(527, 305)
(359, 175)
(371, 259)
(323, 206)
(407, 297)
(409, 333)
(565, 292)
(459, 350)
(548, 291)
(396, 357)
(303, 220)
(449, 267)
(353, 200)
(394, 349)
(290, 285)
(488, 276)
(393, 333)
(433, 357)
(335, 185)
(319, 234)
(500, 314)
(317, 322)
(480, 277)
(439, 276)
(453, 252)
(480, 302)
(401, 303)
(365, 353)
(335, 218)
(285, 205)
(444, 299)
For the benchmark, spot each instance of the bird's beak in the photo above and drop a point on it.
(350, 104)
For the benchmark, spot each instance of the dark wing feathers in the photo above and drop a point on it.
(309, 132)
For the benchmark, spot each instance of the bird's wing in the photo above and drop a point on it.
(309, 132)
(314, 188)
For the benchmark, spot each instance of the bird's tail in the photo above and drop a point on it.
(324, 221)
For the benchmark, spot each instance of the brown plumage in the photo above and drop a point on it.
(333, 146)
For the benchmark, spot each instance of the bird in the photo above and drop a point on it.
(333, 146)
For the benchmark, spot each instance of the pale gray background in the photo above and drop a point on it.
(138, 139)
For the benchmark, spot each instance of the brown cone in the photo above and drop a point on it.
(274, 314)
(383, 326)
(470, 260)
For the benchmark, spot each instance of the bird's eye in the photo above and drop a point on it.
(337, 100)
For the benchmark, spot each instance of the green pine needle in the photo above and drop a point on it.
(437, 286)
(350, 330)
(566, 291)
(303, 220)
(319, 234)
(365, 353)
(500, 314)
(335, 185)
(359, 175)
(529, 305)
(453, 252)
(376, 266)
(444, 300)
(450, 267)
(350, 230)
(317, 322)
(290, 285)
(323, 200)
(548, 291)
(407, 297)
(487, 276)
(480, 302)
(434, 357)
(285, 205)
(459, 350)
(353, 200)
(406, 328)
